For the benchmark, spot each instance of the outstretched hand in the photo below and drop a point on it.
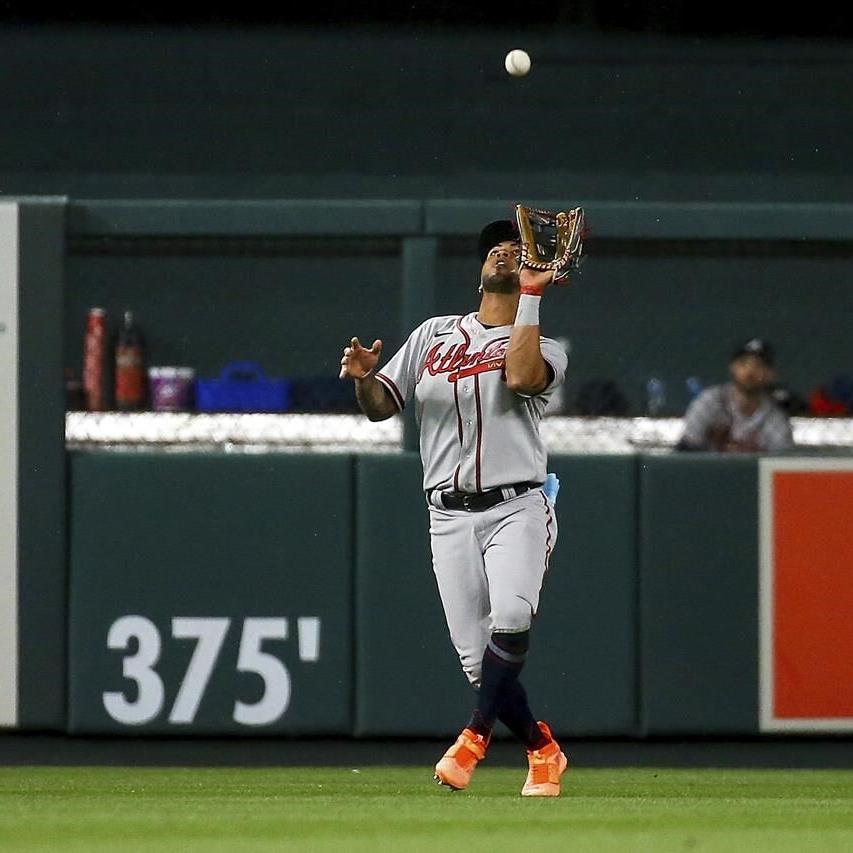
(534, 281)
(358, 362)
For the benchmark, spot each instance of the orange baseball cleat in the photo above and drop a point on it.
(546, 766)
(457, 765)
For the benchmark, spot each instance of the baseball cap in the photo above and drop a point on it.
(496, 232)
(757, 347)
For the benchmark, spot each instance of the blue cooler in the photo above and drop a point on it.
(242, 387)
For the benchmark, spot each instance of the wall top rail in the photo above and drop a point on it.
(244, 218)
(664, 220)
(639, 220)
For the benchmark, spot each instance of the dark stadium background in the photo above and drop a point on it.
(827, 20)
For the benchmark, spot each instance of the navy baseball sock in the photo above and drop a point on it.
(515, 714)
(502, 662)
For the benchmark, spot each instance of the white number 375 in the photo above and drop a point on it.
(209, 634)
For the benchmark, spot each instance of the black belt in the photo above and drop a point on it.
(478, 501)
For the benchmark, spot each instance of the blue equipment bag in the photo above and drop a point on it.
(242, 387)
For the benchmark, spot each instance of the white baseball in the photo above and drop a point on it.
(517, 62)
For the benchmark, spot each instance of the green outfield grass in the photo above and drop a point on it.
(391, 809)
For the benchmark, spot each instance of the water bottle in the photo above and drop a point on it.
(129, 368)
(694, 388)
(655, 397)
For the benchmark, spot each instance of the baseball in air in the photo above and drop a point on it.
(517, 62)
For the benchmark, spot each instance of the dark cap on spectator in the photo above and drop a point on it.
(496, 232)
(757, 347)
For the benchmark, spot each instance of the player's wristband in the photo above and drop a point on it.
(528, 310)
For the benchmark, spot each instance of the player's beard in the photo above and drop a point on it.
(500, 282)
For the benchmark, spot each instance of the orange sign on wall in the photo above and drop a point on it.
(806, 594)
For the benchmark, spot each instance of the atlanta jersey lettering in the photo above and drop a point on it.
(475, 434)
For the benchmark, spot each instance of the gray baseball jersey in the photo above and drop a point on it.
(475, 434)
(715, 413)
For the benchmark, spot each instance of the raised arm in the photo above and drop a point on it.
(373, 397)
(526, 371)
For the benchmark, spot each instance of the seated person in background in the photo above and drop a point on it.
(739, 416)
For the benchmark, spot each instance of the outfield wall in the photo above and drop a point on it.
(281, 594)
(291, 594)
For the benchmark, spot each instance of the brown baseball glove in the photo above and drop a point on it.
(551, 240)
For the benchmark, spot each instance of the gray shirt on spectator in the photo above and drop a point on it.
(714, 419)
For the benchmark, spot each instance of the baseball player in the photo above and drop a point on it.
(739, 416)
(480, 383)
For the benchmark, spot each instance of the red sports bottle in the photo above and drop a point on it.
(94, 350)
